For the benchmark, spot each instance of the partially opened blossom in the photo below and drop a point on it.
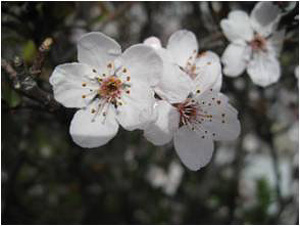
(108, 87)
(185, 66)
(191, 111)
(255, 43)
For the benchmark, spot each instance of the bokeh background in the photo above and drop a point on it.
(47, 179)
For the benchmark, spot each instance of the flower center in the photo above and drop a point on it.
(258, 43)
(112, 84)
(190, 67)
(110, 88)
(188, 111)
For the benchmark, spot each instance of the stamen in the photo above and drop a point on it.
(258, 43)
(193, 115)
(110, 90)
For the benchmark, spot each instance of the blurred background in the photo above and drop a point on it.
(47, 179)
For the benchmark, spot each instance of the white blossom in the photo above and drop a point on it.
(108, 87)
(192, 111)
(184, 66)
(255, 43)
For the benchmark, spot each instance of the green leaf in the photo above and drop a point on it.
(29, 51)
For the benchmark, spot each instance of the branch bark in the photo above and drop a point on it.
(23, 80)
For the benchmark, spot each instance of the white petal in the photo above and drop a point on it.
(194, 151)
(218, 85)
(182, 44)
(235, 58)
(175, 85)
(143, 64)
(162, 130)
(153, 42)
(71, 81)
(275, 42)
(90, 133)
(264, 69)
(223, 123)
(264, 18)
(140, 101)
(237, 27)
(97, 50)
(208, 68)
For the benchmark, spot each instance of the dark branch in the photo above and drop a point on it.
(39, 60)
(23, 79)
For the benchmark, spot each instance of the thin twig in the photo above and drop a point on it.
(8, 68)
(11, 72)
(39, 60)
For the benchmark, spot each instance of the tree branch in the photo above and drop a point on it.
(23, 79)
(39, 60)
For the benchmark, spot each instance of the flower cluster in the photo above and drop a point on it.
(170, 93)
